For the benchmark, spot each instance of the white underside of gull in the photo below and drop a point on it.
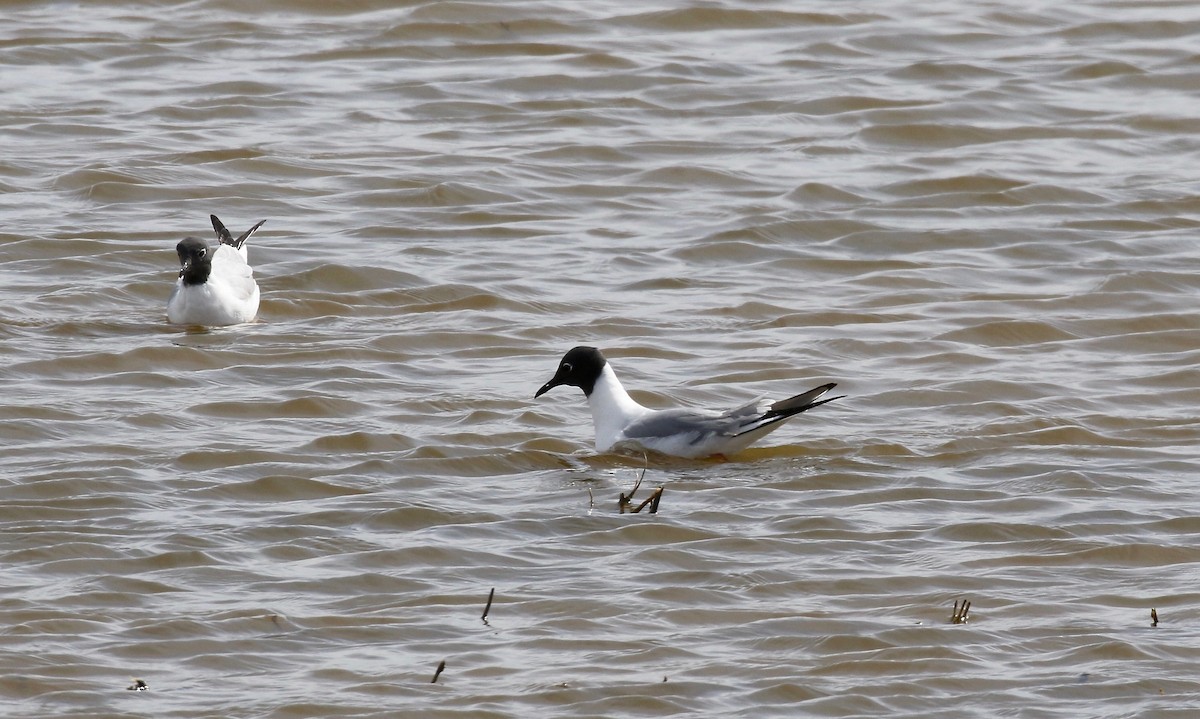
(229, 296)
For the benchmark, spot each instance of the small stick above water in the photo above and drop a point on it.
(441, 668)
(488, 608)
(960, 612)
(624, 500)
(1154, 617)
(652, 500)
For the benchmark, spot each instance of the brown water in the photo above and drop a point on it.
(980, 219)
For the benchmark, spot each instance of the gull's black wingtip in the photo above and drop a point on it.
(225, 238)
(803, 401)
(245, 235)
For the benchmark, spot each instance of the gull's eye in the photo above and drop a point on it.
(567, 366)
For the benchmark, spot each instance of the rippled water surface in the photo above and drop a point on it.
(980, 219)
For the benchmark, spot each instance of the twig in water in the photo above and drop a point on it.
(624, 500)
(960, 612)
(652, 500)
(1153, 617)
(488, 608)
(441, 668)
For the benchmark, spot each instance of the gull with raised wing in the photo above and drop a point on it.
(620, 422)
(214, 288)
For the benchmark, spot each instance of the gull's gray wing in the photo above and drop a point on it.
(698, 433)
(696, 426)
(693, 426)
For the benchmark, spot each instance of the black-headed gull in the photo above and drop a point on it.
(621, 422)
(214, 288)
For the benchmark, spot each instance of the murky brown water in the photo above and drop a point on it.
(979, 219)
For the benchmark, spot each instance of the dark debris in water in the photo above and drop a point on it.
(138, 686)
(441, 667)
(1154, 617)
(961, 609)
(488, 607)
(625, 502)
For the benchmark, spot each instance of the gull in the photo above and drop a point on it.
(620, 422)
(214, 288)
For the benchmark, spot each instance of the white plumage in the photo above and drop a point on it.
(214, 288)
(620, 422)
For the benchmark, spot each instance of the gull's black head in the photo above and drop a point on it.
(580, 367)
(195, 261)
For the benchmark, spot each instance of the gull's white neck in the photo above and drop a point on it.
(612, 409)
